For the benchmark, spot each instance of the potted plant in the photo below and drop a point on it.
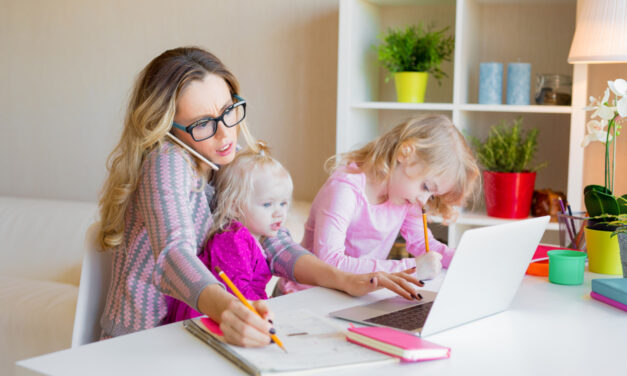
(411, 54)
(508, 179)
(621, 234)
(604, 208)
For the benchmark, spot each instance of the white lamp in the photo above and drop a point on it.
(600, 32)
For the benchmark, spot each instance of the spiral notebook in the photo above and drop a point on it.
(314, 343)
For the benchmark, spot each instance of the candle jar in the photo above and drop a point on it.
(553, 89)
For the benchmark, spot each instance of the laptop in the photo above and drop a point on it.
(481, 280)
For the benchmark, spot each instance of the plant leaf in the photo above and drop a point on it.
(599, 203)
(597, 188)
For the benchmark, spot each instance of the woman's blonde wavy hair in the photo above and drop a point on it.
(235, 184)
(149, 117)
(437, 145)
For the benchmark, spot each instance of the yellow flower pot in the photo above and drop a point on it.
(603, 252)
(411, 86)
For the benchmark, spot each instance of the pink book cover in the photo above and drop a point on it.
(399, 339)
(609, 301)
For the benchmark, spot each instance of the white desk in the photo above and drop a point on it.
(548, 330)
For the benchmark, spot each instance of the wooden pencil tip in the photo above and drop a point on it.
(217, 269)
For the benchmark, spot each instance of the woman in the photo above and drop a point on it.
(155, 211)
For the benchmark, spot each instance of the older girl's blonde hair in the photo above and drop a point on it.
(149, 117)
(235, 184)
(436, 143)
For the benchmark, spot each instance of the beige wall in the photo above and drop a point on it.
(67, 66)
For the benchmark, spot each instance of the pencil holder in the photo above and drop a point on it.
(571, 231)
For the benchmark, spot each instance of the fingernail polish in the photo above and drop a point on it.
(371, 280)
(421, 281)
(420, 296)
(272, 331)
(270, 321)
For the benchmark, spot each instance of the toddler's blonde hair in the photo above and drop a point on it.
(438, 146)
(235, 184)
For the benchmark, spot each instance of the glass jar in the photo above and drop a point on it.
(553, 89)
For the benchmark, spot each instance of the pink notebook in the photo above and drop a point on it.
(609, 301)
(396, 343)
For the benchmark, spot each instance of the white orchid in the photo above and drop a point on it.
(619, 88)
(596, 132)
(610, 113)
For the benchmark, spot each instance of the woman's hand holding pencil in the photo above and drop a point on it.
(252, 311)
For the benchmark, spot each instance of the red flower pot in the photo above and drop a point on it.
(508, 194)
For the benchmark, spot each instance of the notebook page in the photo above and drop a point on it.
(323, 346)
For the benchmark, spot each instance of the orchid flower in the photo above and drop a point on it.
(610, 114)
(619, 88)
(596, 132)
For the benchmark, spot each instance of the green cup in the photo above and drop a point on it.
(566, 267)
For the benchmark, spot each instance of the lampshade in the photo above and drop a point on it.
(600, 33)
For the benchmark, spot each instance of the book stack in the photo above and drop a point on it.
(612, 291)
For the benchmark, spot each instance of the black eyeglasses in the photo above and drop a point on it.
(207, 127)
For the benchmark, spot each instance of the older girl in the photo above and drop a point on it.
(155, 213)
(379, 190)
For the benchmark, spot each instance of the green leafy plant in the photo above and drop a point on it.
(507, 148)
(415, 49)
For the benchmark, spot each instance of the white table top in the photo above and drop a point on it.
(548, 330)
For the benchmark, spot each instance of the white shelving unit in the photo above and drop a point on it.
(534, 31)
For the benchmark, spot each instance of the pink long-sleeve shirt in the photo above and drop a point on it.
(346, 231)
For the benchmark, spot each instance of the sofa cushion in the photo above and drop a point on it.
(36, 318)
(43, 239)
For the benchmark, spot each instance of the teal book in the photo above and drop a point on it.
(613, 288)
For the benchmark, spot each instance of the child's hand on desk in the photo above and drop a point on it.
(403, 283)
(243, 327)
(428, 265)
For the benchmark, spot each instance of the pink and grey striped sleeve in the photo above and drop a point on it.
(168, 212)
(282, 252)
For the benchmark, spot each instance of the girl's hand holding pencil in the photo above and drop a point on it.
(428, 265)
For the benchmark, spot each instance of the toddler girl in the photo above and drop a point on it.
(380, 190)
(254, 193)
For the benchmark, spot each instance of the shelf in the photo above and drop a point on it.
(404, 106)
(516, 108)
(482, 219)
(463, 107)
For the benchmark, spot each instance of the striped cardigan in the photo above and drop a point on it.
(166, 226)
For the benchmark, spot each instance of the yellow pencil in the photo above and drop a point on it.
(424, 226)
(245, 301)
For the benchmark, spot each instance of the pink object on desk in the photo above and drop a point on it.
(212, 326)
(393, 342)
(609, 301)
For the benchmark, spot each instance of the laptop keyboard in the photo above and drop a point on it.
(411, 318)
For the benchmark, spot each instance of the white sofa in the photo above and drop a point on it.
(41, 250)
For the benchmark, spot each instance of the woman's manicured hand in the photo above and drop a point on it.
(240, 325)
(403, 283)
(243, 327)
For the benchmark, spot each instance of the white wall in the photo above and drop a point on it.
(67, 67)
